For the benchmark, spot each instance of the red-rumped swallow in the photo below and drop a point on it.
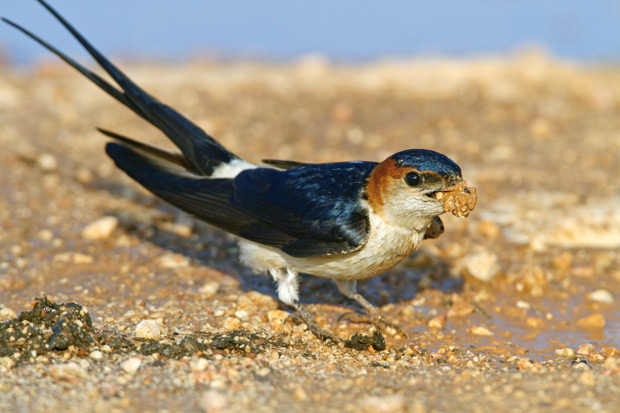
(347, 221)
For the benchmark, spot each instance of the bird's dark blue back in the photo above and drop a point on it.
(316, 202)
(310, 190)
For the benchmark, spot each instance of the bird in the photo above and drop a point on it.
(345, 221)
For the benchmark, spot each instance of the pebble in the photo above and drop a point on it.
(131, 365)
(461, 308)
(585, 349)
(439, 321)
(148, 329)
(256, 300)
(300, 394)
(6, 312)
(592, 321)
(199, 364)
(84, 175)
(565, 352)
(181, 229)
(610, 352)
(241, 314)
(172, 261)
(384, 404)
(96, 355)
(483, 266)
(232, 323)
(68, 371)
(489, 229)
(480, 331)
(101, 228)
(6, 363)
(526, 364)
(277, 317)
(535, 322)
(78, 258)
(213, 401)
(47, 162)
(601, 296)
(45, 235)
(587, 379)
(263, 372)
(563, 261)
(209, 289)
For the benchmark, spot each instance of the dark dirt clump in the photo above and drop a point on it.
(52, 327)
(239, 342)
(47, 327)
(361, 342)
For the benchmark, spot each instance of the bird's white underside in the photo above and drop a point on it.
(387, 245)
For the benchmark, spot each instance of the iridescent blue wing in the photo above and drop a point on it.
(310, 211)
(318, 206)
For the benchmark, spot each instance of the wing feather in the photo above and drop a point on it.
(289, 210)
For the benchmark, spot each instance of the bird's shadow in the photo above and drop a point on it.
(213, 248)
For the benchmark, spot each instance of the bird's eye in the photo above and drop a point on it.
(413, 179)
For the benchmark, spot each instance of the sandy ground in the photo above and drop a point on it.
(515, 308)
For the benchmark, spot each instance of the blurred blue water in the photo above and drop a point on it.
(341, 30)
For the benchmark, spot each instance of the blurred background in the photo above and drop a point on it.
(345, 30)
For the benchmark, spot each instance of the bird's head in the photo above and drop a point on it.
(404, 188)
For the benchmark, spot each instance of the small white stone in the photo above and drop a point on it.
(213, 401)
(482, 266)
(96, 355)
(199, 364)
(149, 329)
(263, 372)
(131, 365)
(82, 258)
(173, 261)
(524, 305)
(47, 162)
(601, 296)
(241, 314)
(480, 331)
(6, 312)
(565, 352)
(384, 404)
(45, 235)
(6, 363)
(101, 228)
(68, 371)
(209, 289)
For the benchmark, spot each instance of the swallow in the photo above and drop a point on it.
(347, 221)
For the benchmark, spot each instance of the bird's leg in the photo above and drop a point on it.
(348, 288)
(288, 293)
(313, 326)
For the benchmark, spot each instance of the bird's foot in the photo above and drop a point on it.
(302, 315)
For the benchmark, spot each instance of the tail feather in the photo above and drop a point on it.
(183, 133)
(156, 152)
(206, 198)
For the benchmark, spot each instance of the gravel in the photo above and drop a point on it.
(113, 300)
